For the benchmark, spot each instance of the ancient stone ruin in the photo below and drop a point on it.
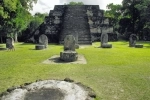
(69, 54)
(132, 41)
(104, 41)
(10, 43)
(43, 42)
(49, 90)
(82, 21)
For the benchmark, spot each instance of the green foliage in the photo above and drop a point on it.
(22, 19)
(76, 3)
(36, 21)
(28, 4)
(14, 15)
(114, 11)
(118, 73)
(10, 5)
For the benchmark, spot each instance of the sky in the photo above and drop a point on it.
(44, 6)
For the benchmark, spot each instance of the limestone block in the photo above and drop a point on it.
(138, 46)
(68, 56)
(39, 47)
(105, 45)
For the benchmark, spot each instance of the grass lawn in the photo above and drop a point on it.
(119, 73)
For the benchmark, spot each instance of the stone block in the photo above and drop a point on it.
(138, 46)
(105, 45)
(68, 56)
(39, 47)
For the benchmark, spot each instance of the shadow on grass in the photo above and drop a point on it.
(36, 49)
(147, 46)
(1, 49)
(27, 44)
(32, 49)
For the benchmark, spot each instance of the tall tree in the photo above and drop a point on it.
(114, 12)
(14, 15)
(130, 13)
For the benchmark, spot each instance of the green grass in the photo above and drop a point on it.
(119, 73)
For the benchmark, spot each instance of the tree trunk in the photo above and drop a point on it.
(16, 37)
(1, 39)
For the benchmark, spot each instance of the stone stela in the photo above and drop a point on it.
(69, 54)
(43, 42)
(132, 41)
(10, 43)
(104, 41)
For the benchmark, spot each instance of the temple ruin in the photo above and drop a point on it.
(81, 21)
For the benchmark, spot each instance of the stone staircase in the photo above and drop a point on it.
(75, 23)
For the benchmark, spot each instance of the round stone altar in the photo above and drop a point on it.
(39, 47)
(68, 56)
(50, 90)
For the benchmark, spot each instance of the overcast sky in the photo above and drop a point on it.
(43, 6)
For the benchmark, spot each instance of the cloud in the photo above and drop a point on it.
(43, 6)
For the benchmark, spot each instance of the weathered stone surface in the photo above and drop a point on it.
(68, 56)
(10, 43)
(105, 45)
(72, 20)
(69, 43)
(104, 38)
(138, 46)
(45, 94)
(50, 90)
(132, 40)
(39, 47)
(76, 46)
(43, 40)
(104, 41)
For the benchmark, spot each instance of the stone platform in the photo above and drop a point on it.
(50, 90)
(68, 56)
(56, 60)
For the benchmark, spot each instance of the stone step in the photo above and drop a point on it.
(76, 21)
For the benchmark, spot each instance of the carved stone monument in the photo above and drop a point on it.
(43, 42)
(69, 54)
(10, 43)
(104, 41)
(132, 40)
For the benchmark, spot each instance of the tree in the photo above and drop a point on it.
(76, 3)
(114, 12)
(14, 15)
(34, 24)
(36, 21)
(137, 11)
(130, 17)
(20, 22)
